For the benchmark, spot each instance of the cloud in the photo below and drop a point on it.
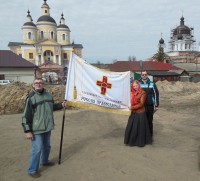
(107, 29)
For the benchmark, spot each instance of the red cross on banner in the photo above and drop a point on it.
(104, 85)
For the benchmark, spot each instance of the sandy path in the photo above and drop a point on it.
(93, 149)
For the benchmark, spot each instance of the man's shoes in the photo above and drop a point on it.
(48, 164)
(35, 175)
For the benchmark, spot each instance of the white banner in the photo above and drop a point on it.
(89, 87)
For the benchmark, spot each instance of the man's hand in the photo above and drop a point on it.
(29, 136)
(155, 108)
(64, 104)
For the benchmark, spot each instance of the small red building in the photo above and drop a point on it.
(158, 70)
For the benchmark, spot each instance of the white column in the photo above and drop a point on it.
(36, 60)
(42, 59)
(23, 54)
(59, 60)
(54, 58)
(178, 46)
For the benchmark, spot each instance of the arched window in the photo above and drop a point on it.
(63, 37)
(42, 34)
(52, 35)
(29, 36)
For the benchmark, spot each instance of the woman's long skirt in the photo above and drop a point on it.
(137, 131)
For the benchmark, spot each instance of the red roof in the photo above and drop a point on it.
(10, 59)
(135, 66)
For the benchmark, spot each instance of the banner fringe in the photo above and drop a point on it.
(97, 108)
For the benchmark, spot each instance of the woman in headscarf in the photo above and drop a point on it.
(137, 131)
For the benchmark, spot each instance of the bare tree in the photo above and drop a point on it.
(114, 60)
(98, 62)
(131, 58)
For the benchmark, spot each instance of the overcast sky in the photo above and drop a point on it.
(108, 29)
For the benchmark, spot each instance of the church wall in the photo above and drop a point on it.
(65, 61)
(27, 52)
(67, 52)
(51, 48)
(47, 29)
(33, 37)
(78, 52)
(60, 38)
(172, 53)
(18, 51)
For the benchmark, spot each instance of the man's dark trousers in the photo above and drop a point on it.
(149, 113)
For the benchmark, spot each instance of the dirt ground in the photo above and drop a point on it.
(93, 148)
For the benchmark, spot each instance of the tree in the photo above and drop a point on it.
(160, 56)
(114, 60)
(131, 58)
(98, 62)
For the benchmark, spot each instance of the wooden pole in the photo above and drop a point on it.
(61, 138)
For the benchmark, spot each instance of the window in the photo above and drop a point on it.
(63, 36)
(42, 34)
(29, 35)
(65, 55)
(52, 35)
(2, 76)
(57, 59)
(45, 11)
(30, 55)
(40, 60)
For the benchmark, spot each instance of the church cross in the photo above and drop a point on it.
(104, 85)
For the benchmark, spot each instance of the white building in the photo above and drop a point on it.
(182, 38)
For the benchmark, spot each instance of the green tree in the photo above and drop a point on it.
(160, 57)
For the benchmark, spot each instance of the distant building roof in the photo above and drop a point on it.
(74, 45)
(101, 66)
(63, 26)
(29, 24)
(163, 73)
(12, 60)
(17, 43)
(46, 18)
(190, 67)
(77, 45)
(136, 66)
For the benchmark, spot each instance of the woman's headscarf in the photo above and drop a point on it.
(134, 92)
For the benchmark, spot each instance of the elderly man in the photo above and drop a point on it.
(38, 121)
